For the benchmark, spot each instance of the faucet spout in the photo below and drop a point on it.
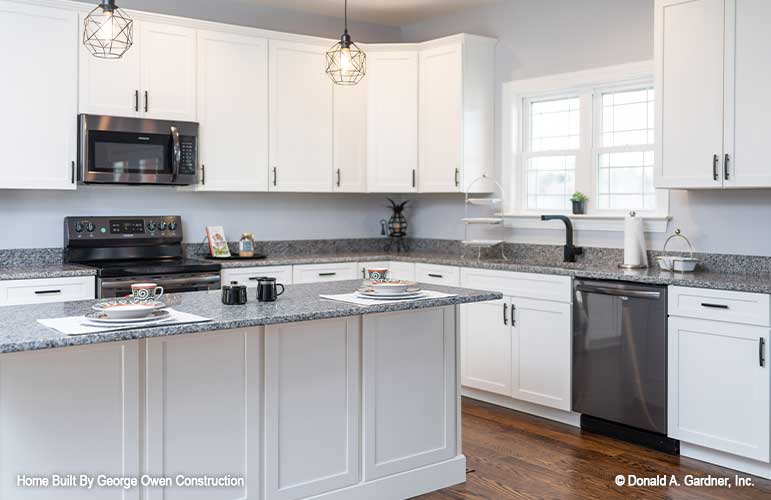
(570, 251)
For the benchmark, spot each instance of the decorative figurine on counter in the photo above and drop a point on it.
(397, 227)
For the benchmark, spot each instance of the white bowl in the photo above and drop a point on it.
(126, 310)
(390, 287)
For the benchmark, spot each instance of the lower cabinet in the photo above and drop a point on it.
(317, 273)
(410, 396)
(69, 411)
(402, 271)
(719, 386)
(486, 346)
(46, 290)
(248, 275)
(307, 454)
(204, 412)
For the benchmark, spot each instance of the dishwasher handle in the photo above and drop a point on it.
(619, 292)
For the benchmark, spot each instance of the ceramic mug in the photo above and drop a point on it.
(378, 274)
(267, 289)
(145, 292)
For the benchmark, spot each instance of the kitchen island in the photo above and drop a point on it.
(301, 398)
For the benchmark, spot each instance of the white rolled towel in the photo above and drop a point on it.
(634, 241)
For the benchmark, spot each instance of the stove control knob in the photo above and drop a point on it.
(78, 227)
(151, 226)
(90, 227)
(162, 226)
(173, 226)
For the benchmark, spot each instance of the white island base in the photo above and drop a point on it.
(357, 408)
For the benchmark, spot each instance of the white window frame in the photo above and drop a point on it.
(587, 85)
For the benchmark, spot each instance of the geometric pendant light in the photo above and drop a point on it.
(346, 62)
(108, 32)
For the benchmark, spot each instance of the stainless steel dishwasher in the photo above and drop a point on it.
(620, 360)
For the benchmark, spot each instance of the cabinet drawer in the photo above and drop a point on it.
(402, 271)
(315, 273)
(720, 305)
(248, 275)
(42, 291)
(379, 264)
(437, 275)
(527, 285)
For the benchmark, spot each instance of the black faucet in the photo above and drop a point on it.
(570, 250)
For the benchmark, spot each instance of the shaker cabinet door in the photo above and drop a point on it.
(486, 346)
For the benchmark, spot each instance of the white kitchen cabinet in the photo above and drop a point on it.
(350, 118)
(70, 411)
(46, 290)
(301, 119)
(456, 113)
(248, 275)
(719, 386)
(317, 273)
(204, 411)
(486, 346)
(435, 274)
(233, 112)
(392, 120)
(409, 357)
(308, 454)
(39, 85)
(402, 270)
(541, 352)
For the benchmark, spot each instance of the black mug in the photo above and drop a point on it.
(234, 294)
(267, 289)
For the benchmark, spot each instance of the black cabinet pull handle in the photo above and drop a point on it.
(203, 173)
(726, 160)
(414, 174)
(435, 275)
(457, 180)
(254, 278)
(47, 292)
(714, 306)
(338, 177)
(147, 101)
(715, 161)
(762, 352)
(505, 319)
(136, 101)
(275, 175)
(513, 318)
(327, 274)
(73, 172)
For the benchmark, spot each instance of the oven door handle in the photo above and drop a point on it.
(176, 153)
(619, 292)
(198, 280)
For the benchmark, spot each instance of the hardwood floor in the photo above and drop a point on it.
(517, 456)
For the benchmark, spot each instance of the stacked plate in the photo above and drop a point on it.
(390, 290)
(126, 313)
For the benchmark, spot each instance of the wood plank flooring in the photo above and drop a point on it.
(517, 456)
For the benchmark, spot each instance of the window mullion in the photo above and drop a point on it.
(584, 156)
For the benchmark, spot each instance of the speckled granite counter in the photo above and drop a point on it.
(36, 271)
(20, 331)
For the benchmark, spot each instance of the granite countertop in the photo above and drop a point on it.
(20, 331)
(39, 271)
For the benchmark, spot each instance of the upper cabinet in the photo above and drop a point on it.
(711, 72)
(233, 111)
(301, 119)
(39, 83)
(156, 78)
(456, 113)
(350, 116)
(392, 120)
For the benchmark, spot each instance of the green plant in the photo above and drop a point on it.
(579, 197)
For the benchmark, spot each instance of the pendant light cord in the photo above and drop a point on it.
(346, 16)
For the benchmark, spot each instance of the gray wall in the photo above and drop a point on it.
(545, 37)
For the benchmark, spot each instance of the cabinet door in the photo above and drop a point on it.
(410, 390)
(747, 139)
(168, 69)
(719, 386)
(689, 82)
(301, 121)
(317, 273)
(312, 407)
(541, 352)
(39, 86)
(392, 122)
(351, 138)
(402, 271)
(233, 111)
(441, 136)
(110, 86)
(203, 412)
(70, 411)
(486, 346)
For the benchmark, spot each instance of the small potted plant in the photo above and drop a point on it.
(579, 202)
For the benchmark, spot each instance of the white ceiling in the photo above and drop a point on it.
(387, 12)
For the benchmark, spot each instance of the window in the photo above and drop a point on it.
(591, 131)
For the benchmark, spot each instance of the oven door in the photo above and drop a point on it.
(115, 150)
(175, 283)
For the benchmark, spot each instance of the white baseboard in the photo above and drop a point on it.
(726, 460)
(406, 484)
(565, 417)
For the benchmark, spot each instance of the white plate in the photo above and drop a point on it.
(127, 310)
(401, 296)
(102, 318)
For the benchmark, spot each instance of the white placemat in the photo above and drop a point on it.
(74, 324)
(354, 298)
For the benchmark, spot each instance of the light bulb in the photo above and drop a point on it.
(106, 31)
(346, 62)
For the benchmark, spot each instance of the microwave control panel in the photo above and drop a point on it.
(187, 165)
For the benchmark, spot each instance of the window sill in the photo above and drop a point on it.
(588, 222)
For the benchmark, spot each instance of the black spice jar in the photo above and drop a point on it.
(234, 294)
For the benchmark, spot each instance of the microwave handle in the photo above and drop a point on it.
(176, 153)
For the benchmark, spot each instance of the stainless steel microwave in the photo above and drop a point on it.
(117, 150)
